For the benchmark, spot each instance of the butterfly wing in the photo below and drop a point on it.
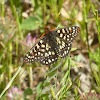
(36, 52)
(63, 47)
(65, 51)
(42, 52)
(50, 57)
(52, 45)
(64, 39)
(68, 34)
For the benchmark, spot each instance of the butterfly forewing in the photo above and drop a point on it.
(42, 52)
(36, 52)
(68, 34)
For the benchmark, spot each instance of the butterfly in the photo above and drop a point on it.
(52, 45)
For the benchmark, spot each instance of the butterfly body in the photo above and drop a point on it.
(55, 43)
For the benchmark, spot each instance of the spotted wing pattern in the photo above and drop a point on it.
(50, 57)
(68, 34)
(65, 38)
(64, 52)
(49, 48)
(42, 52)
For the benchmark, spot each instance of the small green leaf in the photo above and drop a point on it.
(45, 95)
(26, 99)
(73, 49)
(31, 23)
(52, 93)
(28, 91)
(46, 84)
(75, 91)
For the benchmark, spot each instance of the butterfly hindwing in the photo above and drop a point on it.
(50, 57)
(64, 52)
(63, 47)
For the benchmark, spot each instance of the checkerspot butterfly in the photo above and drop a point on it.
(53, 44)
